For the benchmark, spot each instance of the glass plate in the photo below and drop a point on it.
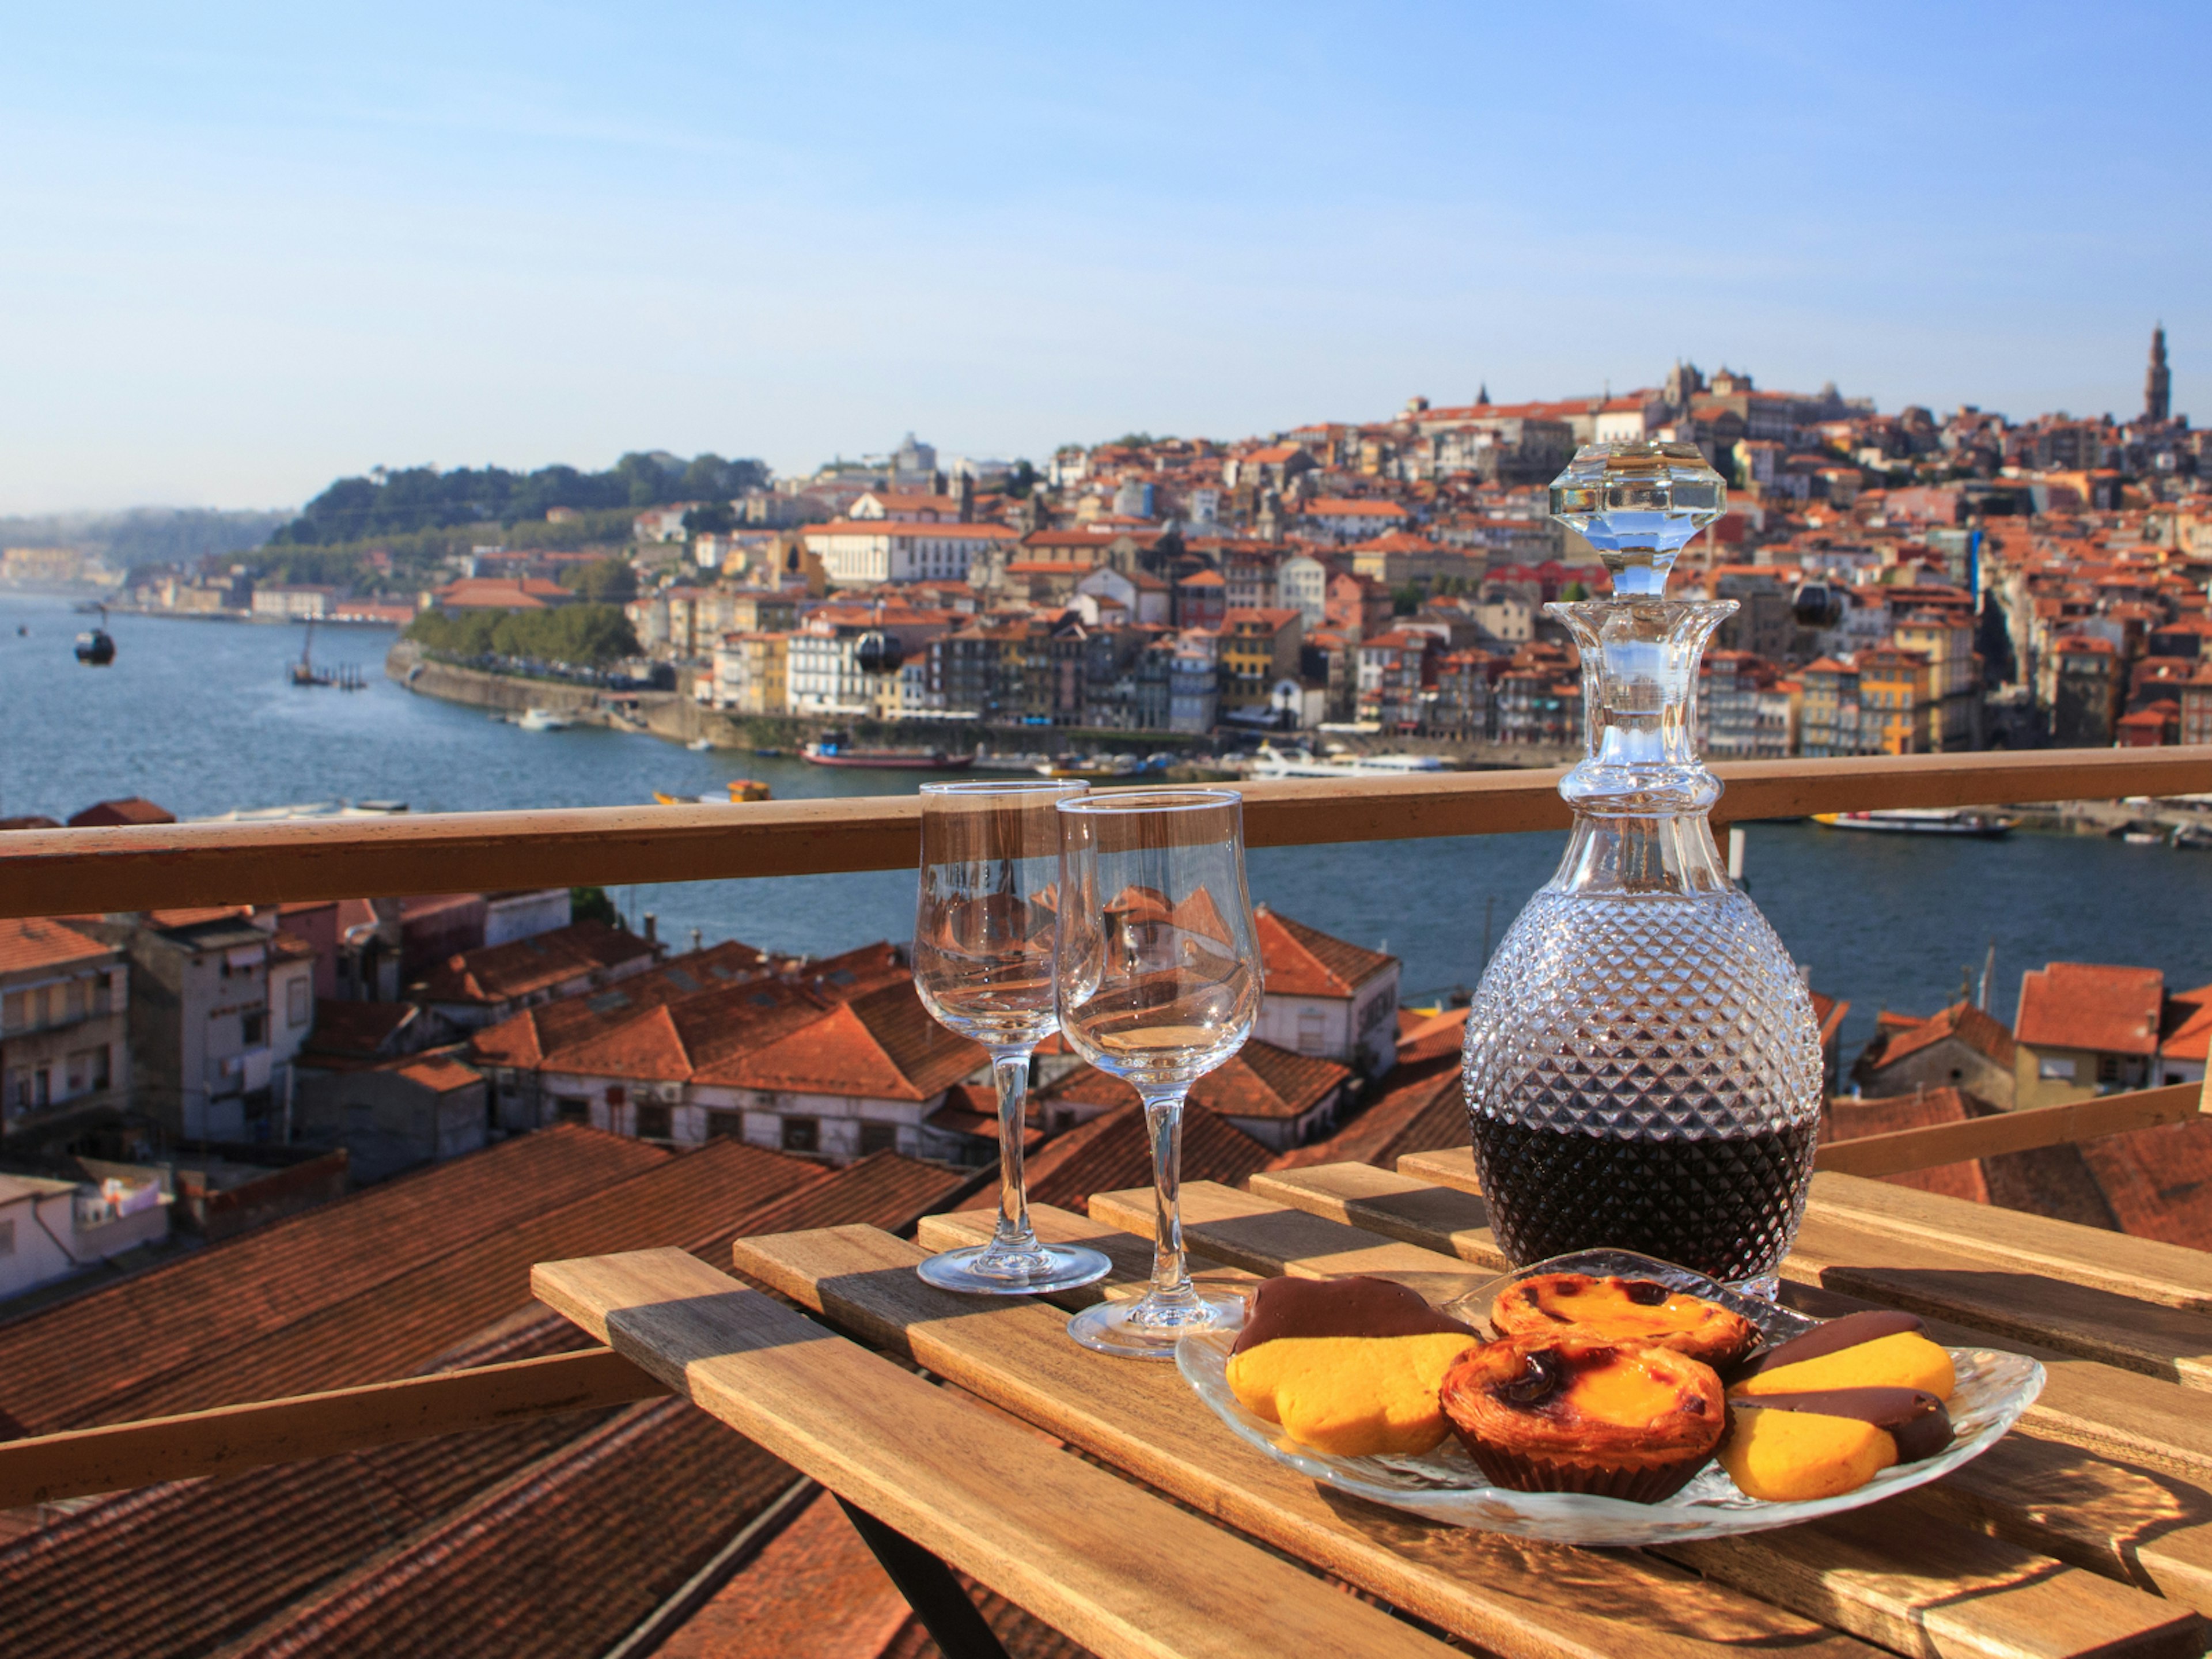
(1993, 1389)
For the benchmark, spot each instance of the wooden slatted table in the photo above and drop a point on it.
(2088, 1531)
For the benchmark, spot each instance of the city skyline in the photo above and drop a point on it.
(247, 265)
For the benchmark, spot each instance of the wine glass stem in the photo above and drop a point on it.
(1170, 1273)
(1010, 1071)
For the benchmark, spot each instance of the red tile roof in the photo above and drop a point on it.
(1112, 1153)
(1418, 1106)
(1304, 962)
(816, 1589)
(131, 808)
(35, 945)
(883, 1189)
(882, 1046)
(2159, 1182)
(87, 1359)
(1852, 1120)
(500, 972)
(2079, 1004)
(1977, 1030)
(526, 1038)
(2188, 1021)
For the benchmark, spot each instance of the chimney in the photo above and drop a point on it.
(698, 936)
(652, 928)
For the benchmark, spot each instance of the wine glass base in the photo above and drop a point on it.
(1029, 1272)
(1138, 1330)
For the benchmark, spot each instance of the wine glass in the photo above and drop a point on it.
(984, 966)
(1158, 977)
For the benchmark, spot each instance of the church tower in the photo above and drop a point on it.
(2158, 384)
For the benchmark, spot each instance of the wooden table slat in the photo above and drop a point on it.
(1095, 1556)
(1515, 1599)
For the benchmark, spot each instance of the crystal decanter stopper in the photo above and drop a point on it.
(1642, 1065)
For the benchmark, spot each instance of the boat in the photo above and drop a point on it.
(1015, 762)
(1269, 762)
(1096, 768)
(741, 790)
(311, 809)
(2142, 832)
(96, 646)
(1922, 821)
(542, 720)
(835, 749)
(699, 745)
(304, 672)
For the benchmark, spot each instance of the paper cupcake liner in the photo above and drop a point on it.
(1649, 1483)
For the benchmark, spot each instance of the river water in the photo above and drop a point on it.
(199, 716)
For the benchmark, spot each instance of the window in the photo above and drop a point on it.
(726, 1124)
(1311, 1029)
(569, 1109)
(2054, 1069)
(80, 1072)
(879, 1138)
(653, 1122)
(300, 1003)
(8, 1236)
(802, 1135)
(253, 1027)
(2108, 1068)
(15, 1012)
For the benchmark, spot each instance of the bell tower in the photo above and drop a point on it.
(2158, 384)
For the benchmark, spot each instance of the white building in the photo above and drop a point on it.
(825, 677)
(64, 1041)
(1302, 584)
(1630, 420)
(864, 552)
(49, 1228)
(297, 603)
(1325, 996)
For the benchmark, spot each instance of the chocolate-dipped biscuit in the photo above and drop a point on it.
(1356, 1306)
(1831, 1336)
(1914, 1419)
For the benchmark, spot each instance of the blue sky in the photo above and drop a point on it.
(247, 250)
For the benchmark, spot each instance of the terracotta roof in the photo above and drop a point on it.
(86, 1360)
(28, 945)
(1962, 1020)
(883, 1189)
(388, 1327)
(131, 808)
(30, 820)
(441, 1073)
(1427, 1036)
(1262, 1081)
(2159, 1182)
(1418, 1106)
(2079, 1004)
(500, 972)
(855, 973)
(691, 1038)
(2188, 1021)
(882, 1046)
(1304, 962)
(525, 1038)
(815, 1589)
(1853, 1119)
(2048, 1181)
(554, 1535)
(1112, 1153)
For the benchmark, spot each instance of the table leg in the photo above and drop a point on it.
(930, 1589)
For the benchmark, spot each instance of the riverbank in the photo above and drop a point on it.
(679, 718)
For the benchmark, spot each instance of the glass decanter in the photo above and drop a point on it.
(1642, 1065)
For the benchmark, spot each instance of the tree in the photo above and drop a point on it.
(1404, 601)
(1022, 480)
(710, 518)
(610, 582)
(592, 904)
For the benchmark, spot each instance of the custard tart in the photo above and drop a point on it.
(1577, 1413)
(1624, 1309)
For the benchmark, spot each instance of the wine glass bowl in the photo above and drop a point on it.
(1159, 981)
(983, 938)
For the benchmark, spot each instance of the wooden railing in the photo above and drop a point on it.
(49, 872)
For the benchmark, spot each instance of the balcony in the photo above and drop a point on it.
(2125, 1331)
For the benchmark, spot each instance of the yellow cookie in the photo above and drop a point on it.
(1904, 1360)
(1789, 1457)
(1353, 1397)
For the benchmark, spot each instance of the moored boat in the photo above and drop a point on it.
(542, 720)
(741, 790)
(1922, 821)
(835, 750)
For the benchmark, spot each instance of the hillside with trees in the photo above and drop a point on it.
(413, 500)
(575, 636)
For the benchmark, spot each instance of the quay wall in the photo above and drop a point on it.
(679, 718)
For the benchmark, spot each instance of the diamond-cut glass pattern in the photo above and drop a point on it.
(1644, 1071)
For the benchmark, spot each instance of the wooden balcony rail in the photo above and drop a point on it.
(46, 873)
(57, 871)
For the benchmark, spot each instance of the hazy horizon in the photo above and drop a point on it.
(256, 255)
